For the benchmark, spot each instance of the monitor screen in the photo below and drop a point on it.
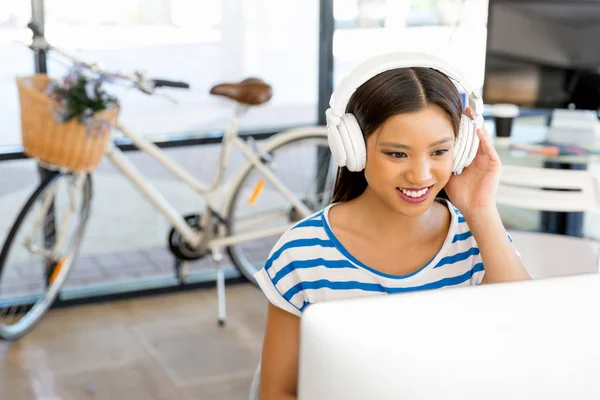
(543, 54)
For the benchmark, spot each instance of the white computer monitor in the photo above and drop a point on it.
(527, 340)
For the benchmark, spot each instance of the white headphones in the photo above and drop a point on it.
(345, 137)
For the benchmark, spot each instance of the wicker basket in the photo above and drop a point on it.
(67, 145)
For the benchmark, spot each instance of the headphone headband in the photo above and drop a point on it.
(374, 66)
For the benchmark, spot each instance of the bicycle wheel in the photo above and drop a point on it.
(301, 160)
(39, 250)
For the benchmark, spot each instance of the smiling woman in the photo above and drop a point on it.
(386, 231)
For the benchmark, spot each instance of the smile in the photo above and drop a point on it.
(414, 195)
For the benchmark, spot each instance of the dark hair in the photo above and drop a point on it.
(390, 93)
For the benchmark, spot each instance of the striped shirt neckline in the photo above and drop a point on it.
(433, 263)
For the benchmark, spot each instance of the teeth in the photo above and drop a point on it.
(413, 193)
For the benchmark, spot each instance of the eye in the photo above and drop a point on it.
(397, 154)
(440, 152)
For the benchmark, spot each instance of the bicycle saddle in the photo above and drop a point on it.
(251, 91)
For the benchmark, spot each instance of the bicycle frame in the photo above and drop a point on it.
(208, 191)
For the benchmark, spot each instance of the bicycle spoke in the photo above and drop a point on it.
(34, 273)
(261, 213)
(254, 221)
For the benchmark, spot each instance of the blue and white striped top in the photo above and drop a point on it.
(308, 264)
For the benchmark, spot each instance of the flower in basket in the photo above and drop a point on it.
(80, 95)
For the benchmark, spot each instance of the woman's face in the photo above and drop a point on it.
(409, 159)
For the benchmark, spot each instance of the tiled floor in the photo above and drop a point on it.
(162, 347)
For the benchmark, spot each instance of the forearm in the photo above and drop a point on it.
(500, 260)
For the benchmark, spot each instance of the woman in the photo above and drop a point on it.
(387, 231)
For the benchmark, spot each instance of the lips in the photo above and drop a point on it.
(414, 195)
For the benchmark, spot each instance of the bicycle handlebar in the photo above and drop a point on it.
(172, 84)
(141, 82)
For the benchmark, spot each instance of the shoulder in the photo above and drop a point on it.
(460, 239)
(300, 237)
(463, 232)
(462, 246)
(454, 212)
(459, 231)
(460, 254)
(304, 245)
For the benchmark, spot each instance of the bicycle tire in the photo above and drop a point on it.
(34, 314)
(294, 136)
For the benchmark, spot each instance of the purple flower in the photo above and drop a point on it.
(90, 90)
(97, 127)
(59, 114)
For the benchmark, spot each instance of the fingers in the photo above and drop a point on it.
(482, 148)
(486, 147)
(484, 129)
(469, 112)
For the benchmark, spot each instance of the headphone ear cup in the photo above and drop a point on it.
(463, 144)
(335, 142)
(471, 151)
(458, 148)
(336, 145)
(354, 143)
(468, 143)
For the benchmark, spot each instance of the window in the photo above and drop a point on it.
(456, 28)
(15, 59)
(202, 42)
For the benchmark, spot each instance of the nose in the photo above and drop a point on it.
(419, 172)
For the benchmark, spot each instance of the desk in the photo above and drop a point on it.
(530, 132)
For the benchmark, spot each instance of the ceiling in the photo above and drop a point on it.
(573, 13)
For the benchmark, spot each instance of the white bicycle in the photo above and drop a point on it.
(285, 179)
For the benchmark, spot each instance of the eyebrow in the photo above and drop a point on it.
(403, 146)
